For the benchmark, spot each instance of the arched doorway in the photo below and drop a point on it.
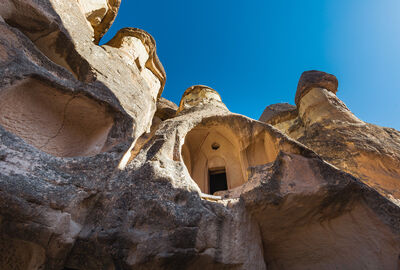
(219, 157)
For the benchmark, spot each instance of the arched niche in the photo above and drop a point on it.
(210, 151)
(53, 121)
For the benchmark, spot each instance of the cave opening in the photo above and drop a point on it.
(217, 180)
(219, 157)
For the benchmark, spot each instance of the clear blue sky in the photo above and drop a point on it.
(253, 52)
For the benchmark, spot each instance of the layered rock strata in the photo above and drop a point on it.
(325, 124)
(49, 47)
(97, 171)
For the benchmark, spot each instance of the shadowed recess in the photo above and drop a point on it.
(57, 123)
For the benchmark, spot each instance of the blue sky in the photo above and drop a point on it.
(253, 52)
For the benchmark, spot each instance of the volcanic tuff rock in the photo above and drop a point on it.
(97, 171)
(49, 45)
(314, 79)
(277, 113)
(326, 125)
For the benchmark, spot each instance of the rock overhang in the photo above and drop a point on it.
(294, 210)
(315, 79)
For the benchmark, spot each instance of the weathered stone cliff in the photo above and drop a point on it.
(97, 171)
(323, 123)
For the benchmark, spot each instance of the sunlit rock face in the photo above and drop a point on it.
(315, 79)
(100, 14)
(122, 80)
(94, 10)
(277, 113)
(199, 95)
(325, 124)
(98, 171)
(140, 47)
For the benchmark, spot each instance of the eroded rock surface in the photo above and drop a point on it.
(55, 41)
(326, 125)
(279, 112)
(165, 109)
(97, 171)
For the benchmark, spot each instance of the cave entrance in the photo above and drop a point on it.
(217, 180)
(212, 156)
(218, 157)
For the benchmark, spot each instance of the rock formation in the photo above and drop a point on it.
(97, 171)
(323, 123)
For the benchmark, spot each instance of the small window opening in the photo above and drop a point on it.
(215, 146)
(217, 181)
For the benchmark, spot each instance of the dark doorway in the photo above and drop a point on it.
(217, 181)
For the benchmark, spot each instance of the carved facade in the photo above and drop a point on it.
(97, 171)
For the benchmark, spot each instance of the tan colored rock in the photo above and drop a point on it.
(199, 95)
(101, 14)
(327, 126)
(98, 172)
(55, 122)
(315, 79)
(58, 47)
(141, 47)
(319, 219)
(277, 113)
(320, 105)
(165, 109)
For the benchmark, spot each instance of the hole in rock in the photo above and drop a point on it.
(218, 157)
(217, 180)
(215, 146)
(58, 123)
